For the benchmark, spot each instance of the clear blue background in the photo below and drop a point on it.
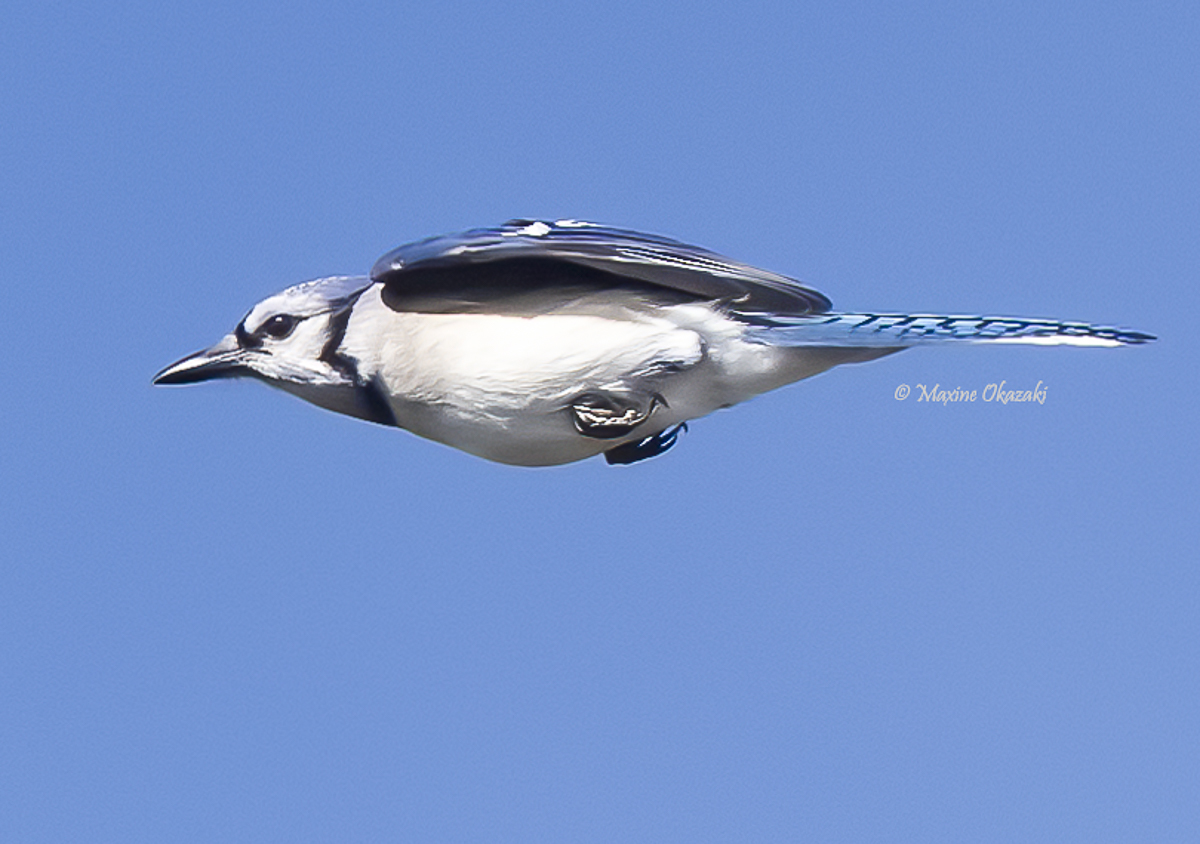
(827, 615)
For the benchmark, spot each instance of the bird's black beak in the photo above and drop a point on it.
(224, 360)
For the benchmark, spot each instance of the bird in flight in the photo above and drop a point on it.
(541, 343)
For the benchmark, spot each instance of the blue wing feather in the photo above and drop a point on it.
(647, 258)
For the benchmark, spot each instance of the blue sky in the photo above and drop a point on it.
(826, 615)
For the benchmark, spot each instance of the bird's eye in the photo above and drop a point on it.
(279, 326)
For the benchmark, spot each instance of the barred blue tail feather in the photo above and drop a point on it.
(903, 330)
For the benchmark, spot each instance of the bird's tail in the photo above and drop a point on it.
(902, 330)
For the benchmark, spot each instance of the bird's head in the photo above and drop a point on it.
(289, 340)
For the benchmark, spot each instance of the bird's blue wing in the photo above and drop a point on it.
(645, 258)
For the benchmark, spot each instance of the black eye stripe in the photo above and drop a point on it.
(245, 339)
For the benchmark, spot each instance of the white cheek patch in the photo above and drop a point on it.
(304, 346)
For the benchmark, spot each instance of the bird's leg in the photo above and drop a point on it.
(609, 415)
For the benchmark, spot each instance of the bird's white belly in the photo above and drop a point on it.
(500, 386)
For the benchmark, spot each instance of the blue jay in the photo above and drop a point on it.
(541, 343)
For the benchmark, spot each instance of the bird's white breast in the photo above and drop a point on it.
(499, 385)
